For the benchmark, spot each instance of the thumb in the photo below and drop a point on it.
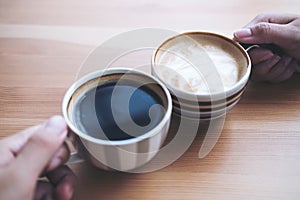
(264, 33)
(41, 147)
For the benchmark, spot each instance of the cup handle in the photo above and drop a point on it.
(248, 47)
(74, 157)
(275, 49)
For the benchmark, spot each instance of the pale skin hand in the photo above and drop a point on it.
(282, 30)
(36, 151)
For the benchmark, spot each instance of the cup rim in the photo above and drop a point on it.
(96, 74)
(212, 96)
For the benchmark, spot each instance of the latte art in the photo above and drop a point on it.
(200, 67)
(205, 72)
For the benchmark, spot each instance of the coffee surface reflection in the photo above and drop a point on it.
(113, 111)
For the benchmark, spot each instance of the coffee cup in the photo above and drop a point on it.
(206, 73)
(119, 117)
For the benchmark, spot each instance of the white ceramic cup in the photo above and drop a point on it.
(122, 154)
(205, 72)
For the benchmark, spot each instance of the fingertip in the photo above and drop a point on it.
(65, 191)
(60, 158)
(280, 71)
(57, 125)
(55, 162)
(242, 33)
(64, 180)
(259, 54)
(261, 71)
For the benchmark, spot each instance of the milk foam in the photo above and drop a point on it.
(197, 68)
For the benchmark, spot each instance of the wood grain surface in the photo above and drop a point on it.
(43, 44)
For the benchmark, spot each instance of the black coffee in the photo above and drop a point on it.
(119, 112)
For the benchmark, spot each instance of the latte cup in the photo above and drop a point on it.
(206, 73)
(119, 118)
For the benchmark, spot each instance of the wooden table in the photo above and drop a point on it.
(43, 43)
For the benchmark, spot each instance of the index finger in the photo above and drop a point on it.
(11, 145)
(272, 18)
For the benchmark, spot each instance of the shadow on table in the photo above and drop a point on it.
(94, 183)
(261, 92)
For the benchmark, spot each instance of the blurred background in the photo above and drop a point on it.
(92, 21)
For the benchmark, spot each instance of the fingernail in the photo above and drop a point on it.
(241, 33)
(55, 162)
(275, 59)
(57, 124)
(267, 55)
